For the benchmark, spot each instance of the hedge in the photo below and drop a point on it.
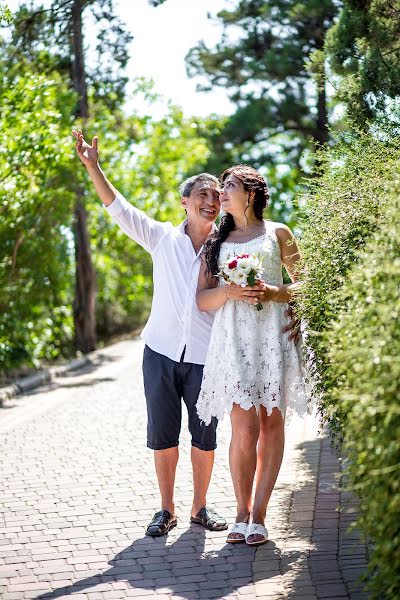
(350, 299)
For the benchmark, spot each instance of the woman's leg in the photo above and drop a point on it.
(243, 458)
(269, 459)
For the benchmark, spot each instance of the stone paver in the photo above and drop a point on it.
(78, 488)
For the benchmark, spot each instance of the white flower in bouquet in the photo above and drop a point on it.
(245, 264)
(239, 277)
(243, 269)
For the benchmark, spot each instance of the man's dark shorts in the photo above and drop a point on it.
(166, 383)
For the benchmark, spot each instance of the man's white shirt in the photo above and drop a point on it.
(175, 323)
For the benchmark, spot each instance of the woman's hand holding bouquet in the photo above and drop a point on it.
(242, 274)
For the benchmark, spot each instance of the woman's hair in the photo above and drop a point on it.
(252, 182)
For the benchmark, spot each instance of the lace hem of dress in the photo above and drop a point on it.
(217, 405)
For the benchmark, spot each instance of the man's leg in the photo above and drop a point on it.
(163, 399)
(202, 465)
(203, 446)
(165, 462)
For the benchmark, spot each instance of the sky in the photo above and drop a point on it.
(162, 38)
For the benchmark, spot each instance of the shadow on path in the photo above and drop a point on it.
(182, 566)
(336, 555)
(85, 383)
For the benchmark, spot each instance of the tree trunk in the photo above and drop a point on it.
(85, 283)
(322, 132)
(321, 135)
(78, 65)
(85, 277)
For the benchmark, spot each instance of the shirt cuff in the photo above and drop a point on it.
(117, 206)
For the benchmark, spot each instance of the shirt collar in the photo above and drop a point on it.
(181, 227)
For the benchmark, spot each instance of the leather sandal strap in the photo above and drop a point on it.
(161, 520)
(209, 516)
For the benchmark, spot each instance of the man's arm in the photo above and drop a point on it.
(135, 223)
(290, 254)
(89, 155)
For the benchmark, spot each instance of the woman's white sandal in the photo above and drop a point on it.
(240, 528)
(256, 529)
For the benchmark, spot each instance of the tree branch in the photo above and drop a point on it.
(35, 14)
(391, 51)
(17, 244)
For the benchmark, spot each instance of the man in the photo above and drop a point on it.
(176, 335)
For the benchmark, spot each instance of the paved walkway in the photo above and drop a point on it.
(79, 488)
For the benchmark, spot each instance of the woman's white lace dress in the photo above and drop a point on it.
(249, 360)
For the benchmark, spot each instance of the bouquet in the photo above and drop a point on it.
(243, 269)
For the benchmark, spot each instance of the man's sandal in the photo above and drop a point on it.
(210, 520)
(162, 522)
(237, 528)
(256, 529)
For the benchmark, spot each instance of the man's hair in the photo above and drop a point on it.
(186, 187)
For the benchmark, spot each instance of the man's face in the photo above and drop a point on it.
(203, 204)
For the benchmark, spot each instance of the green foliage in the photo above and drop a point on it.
(35, 204)
(364, 357)
(281, 114)
(5, 14)
(343, 208)
(261, 62)
(41, 175)
(41, 37)
(350, 299)
(363, 49)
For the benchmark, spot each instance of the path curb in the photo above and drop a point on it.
(24, 384)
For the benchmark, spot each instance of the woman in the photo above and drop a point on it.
(252, 369)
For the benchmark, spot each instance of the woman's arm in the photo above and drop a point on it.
(290, 255)
(211, 296)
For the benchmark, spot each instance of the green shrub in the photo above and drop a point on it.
(345, 205)
(364, 358)
(350, 298)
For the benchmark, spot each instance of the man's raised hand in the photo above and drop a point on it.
(89, 155)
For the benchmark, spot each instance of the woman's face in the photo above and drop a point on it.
(233, 196)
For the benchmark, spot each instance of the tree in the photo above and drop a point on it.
(145, 158)
(46, 40)
(363, 49)
(261, 62)
(52, 39)
(264, 68)
(35, 215)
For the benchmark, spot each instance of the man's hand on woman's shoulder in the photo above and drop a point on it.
(293, 326)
